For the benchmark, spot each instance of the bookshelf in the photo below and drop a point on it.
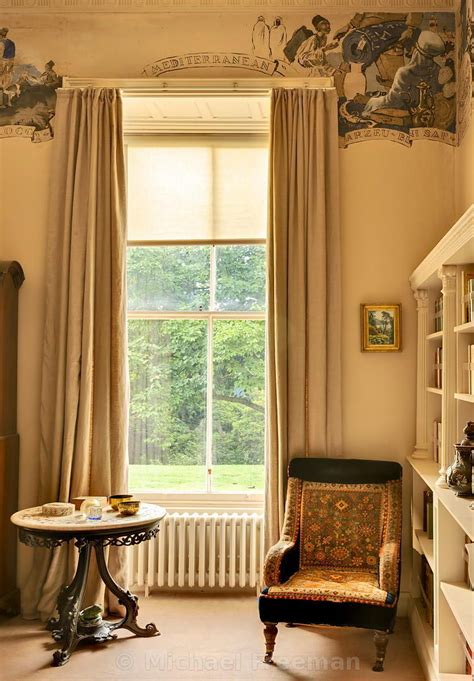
(441, 604)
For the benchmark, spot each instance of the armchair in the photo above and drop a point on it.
(338, 558)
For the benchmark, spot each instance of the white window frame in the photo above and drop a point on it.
(218, 501)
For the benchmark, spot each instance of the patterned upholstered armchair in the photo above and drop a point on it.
(338, 558)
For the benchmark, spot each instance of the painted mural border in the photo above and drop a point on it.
(141, 6)
(396, 75)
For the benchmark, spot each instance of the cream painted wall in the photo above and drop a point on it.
(464, 180)
(24, 175)
(396, 204)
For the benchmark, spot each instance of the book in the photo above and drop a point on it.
(468, 653)
(469, 562)
(436, 438)
(438, 367)
(429, 519)
(440, 435)
(438, 314)
(428, 513)
(426, 582)
(470, 373)
(470, 295)
(467, 275)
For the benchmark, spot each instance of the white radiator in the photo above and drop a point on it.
(201, 551)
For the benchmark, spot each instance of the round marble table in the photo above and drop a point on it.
(73, 625)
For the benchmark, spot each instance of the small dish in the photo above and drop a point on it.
(115, 499)
(129, 507)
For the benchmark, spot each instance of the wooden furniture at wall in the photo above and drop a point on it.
(441, 647)
(11, 278)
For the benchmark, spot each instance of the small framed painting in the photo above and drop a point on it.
(380, 328)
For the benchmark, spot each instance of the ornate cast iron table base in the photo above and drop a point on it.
(69, 627)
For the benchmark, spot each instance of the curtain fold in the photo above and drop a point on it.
(84, 415)
(304, 289)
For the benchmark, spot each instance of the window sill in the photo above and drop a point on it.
(203, 502)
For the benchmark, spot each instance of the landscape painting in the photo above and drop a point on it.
(380, 328)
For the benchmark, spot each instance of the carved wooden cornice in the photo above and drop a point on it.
(460, 236)
(14, 269)
(282, 6)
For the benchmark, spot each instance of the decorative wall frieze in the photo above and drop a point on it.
(59, 6)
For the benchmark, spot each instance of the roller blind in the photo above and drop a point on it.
(197, 188)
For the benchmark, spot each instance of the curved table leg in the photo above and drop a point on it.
(57, 624)
(69, 603)
(125, 598)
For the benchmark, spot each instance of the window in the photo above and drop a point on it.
(197, 315)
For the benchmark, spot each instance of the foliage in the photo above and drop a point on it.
(168, 278)
(168, 358)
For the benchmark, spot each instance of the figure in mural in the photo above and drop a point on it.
(396, 74)
(7, 53)
(312, 51)
(465, 68)
(278, 40)
(261, 38)
(383, 39)
(433, 25)
(27, 95)
(416, 84)
(49, 75)
(308, 49)
(471, 45)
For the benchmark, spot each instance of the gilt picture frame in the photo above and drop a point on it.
(381, 327)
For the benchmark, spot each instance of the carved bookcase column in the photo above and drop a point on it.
(447, 274)
(421, 446)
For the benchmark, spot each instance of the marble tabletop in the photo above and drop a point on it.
(33, 519)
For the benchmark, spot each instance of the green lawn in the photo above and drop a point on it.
(229, 478)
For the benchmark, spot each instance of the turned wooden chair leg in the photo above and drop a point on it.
(381, 641)
(270, 632)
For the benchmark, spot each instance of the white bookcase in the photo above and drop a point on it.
(441, 647)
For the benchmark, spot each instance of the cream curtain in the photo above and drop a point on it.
(84, 373)
(304, 292)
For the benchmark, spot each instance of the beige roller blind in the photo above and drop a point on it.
(205, 188)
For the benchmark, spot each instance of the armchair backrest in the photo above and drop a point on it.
(348, 509)
(351, 471)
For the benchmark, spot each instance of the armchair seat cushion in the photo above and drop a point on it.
(338, 585)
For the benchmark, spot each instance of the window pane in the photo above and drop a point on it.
(239, 405)
(240, 273)
(174, 278)
(167, 433)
